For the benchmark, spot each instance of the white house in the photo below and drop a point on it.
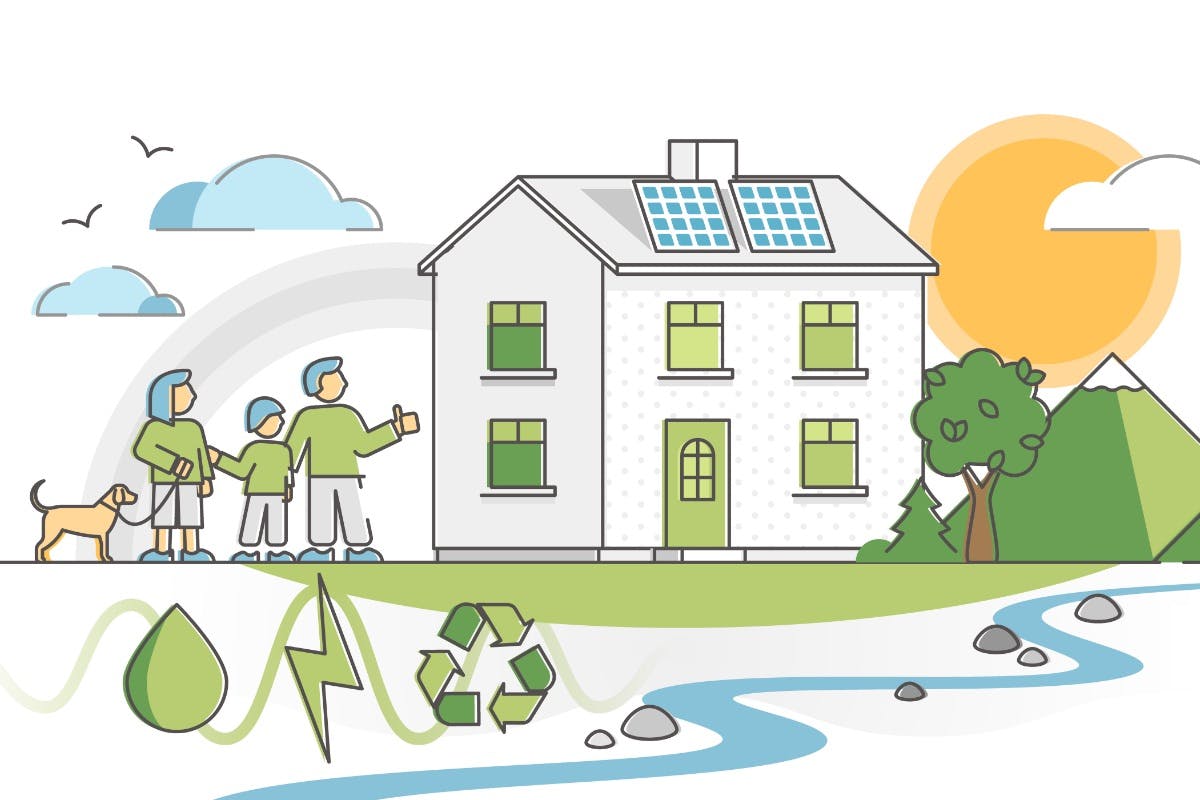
(701, 365)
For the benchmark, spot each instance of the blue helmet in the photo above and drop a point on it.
(314, 371)
(259, 409)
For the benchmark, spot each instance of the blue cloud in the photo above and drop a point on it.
(107, 292)
(264, 193)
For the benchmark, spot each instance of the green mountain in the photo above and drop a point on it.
(1115, 481)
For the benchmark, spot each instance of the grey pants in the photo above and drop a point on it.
(334, 503)
(264, 512)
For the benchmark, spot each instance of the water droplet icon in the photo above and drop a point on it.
(175, 681)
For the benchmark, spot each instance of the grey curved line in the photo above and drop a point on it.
(374, 210)
(314, 168)
(37, 306)
(303, 301)
(176, 301)
(150, 283)
(1116, 176)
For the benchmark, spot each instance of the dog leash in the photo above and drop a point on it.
(150, 516)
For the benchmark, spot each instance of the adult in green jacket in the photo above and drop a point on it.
(174, 449)
(329, 439)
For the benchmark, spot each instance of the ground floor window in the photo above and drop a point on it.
(828, 453)
(516, 453)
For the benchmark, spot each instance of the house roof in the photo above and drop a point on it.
(604, 215)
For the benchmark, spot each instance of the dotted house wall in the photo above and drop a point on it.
(765, 405)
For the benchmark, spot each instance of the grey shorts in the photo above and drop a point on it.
(183, 509)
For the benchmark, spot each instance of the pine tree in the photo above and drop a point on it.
(920, 527)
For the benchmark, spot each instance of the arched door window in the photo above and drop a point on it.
(697, 471)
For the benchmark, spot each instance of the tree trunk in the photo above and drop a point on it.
(980, 541)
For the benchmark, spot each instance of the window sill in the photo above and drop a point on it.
(548, 374)
(833, 491)
(697, 375)
(520, 491)
(832, 375)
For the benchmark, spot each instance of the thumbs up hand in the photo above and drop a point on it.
(404, 422)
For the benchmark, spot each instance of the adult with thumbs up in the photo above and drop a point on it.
(180, 473)
(329, 438)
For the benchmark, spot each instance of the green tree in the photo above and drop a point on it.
(920, 531)
(981, 412)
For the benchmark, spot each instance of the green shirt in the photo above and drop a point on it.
(335, 437)
(264, 467)
(160, 443)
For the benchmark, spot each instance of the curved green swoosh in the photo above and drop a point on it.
(86, 653)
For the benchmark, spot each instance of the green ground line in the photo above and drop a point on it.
(685, 595)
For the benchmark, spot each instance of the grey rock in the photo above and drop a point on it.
(1098, 608)
(997, 639)
(910, 692)
(600, 740)
(649, 724)
(1032, 657)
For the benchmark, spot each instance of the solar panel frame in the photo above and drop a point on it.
(653, 233)
(802, 218)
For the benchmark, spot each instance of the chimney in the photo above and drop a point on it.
(702, 159)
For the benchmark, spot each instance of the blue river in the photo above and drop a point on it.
(749, 737)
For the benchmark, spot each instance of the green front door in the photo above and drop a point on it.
(696, 483)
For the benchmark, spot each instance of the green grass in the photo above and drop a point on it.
(687, 595)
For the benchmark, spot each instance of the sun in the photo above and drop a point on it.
(1063, 299)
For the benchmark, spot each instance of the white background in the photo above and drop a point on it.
(425, 110)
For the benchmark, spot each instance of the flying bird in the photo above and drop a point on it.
(148, 151)
(86, 221)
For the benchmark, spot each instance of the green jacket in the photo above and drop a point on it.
(160, 443)
(264, 467)
(334, 438)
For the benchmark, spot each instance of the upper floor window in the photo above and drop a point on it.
(516, 336)
(828, 336)
(695, 336)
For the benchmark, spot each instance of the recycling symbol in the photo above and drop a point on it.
(462, 628)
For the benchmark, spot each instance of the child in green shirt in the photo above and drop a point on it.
(265, 468)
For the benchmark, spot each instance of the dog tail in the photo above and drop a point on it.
(33, 497)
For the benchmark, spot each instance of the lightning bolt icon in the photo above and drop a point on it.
(331, 665)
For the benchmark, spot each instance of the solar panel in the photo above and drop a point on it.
(684, 216)
(781, 215)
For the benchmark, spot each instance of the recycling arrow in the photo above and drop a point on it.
(457, 708)
(506, 622)
(533, 670)
(435, 673)
(514, 708)
(463, 627)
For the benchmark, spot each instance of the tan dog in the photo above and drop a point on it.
(94, 521)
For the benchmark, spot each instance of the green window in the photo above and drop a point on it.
(516, 453)
(697, 471)
(828, 453)
(516, 336)
(695, 337)
(828, 336)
